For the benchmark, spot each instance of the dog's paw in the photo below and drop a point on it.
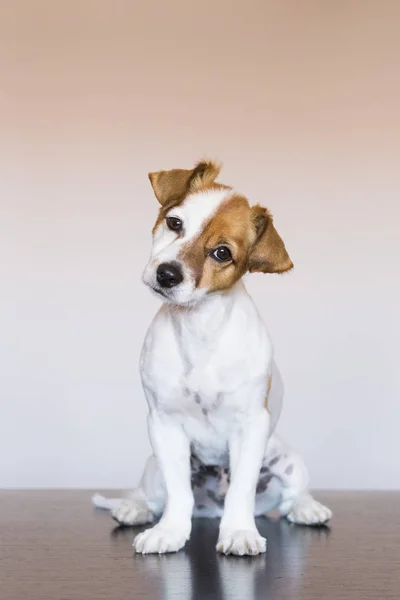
(160, 540)
(241, 543)
(132, 512)
(310, 512)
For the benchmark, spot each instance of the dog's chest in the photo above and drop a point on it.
(191, 375)
(194, 389)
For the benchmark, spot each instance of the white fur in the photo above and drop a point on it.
(205, 372)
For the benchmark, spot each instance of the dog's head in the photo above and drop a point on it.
(207, 236)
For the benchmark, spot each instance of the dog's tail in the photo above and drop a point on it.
(100, 501)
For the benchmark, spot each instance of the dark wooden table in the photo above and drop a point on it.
(55, 546)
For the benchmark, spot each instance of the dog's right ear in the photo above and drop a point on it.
(171, 187)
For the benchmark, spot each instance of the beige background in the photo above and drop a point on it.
(300, 100)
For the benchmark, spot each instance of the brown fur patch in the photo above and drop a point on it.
(171, 187)
(269, 383)
(229, 226)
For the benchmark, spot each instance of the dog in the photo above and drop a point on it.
(213, 389)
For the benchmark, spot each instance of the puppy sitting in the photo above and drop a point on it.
(208, 373)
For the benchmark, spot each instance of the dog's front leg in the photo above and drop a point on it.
(172, 450)
(238, 533)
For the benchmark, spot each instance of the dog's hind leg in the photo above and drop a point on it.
(144, 504)
(296, 503)
(305, 510)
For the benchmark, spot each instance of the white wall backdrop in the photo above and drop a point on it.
(300, 101)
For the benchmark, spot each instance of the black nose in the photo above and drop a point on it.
(169, 275)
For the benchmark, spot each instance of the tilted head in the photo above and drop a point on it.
(207, 236)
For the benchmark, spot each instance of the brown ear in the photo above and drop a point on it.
(170, 187)
(268, 254)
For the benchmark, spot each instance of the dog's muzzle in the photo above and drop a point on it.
(169, 275)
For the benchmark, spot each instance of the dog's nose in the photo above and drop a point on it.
(169, 275)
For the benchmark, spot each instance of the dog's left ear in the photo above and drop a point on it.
(171, 187)
(268, 254)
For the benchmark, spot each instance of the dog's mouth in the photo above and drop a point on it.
(174, 296)
(159, 291)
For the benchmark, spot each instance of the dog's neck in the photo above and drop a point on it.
(205, 320)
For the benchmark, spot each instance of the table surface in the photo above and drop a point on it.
(55, 546)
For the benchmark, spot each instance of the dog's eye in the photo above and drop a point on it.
(222, 254)
(174, 223)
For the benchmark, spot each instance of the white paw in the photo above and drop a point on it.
(241, 543)
(309, 513)
(159, 540)
(132, 512)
